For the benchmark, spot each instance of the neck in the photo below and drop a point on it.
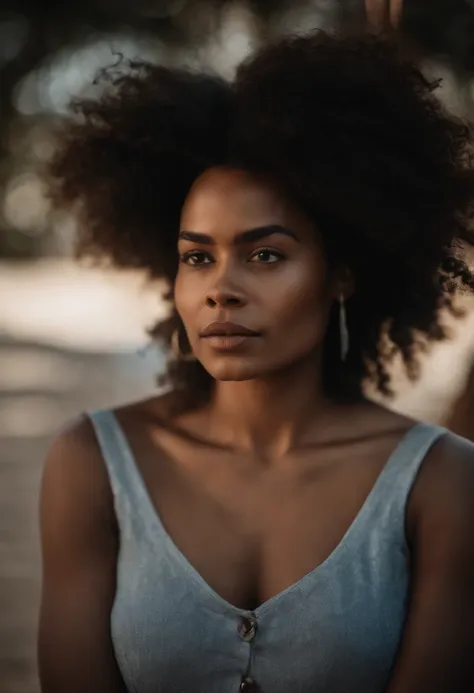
(270, 415)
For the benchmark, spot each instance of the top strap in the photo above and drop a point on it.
(387, 499)
(404, 463)
(127, 485)
(389, 496)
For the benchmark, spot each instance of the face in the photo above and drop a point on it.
(252, 289)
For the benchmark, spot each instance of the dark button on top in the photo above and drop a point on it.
(248, 685)
(247, 628)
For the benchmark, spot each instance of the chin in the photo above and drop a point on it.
(228, 372)
(228, 375)
(239, 378)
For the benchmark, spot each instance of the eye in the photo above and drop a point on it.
(195, 258)
(265, 256)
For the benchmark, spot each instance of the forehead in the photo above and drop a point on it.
(233, 198)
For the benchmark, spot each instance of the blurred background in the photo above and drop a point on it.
(73, 337)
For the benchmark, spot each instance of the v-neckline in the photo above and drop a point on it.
(219, 603)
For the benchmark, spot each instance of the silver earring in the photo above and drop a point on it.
(344, 332)
(176, 348)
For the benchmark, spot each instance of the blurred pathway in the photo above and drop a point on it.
(51, 387)
(69, 341)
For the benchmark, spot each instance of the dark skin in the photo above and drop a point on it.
(382, 14)
(461, 419)
(258, 486)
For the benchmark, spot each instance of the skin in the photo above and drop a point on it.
(461, 419)
(383, 14)
(276, 284)
(258, 486)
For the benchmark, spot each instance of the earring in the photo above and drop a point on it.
(344, 332)
(176, 348)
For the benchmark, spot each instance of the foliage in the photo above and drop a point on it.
(437, 28)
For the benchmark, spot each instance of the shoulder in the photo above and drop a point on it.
(79, 549)
(442, 501)
(75, 449)
(436, 648)
(75, 480)
(446, 475)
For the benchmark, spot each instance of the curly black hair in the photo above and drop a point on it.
(348, 126)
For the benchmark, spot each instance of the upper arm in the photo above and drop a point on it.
(436, 652)
(79, 553)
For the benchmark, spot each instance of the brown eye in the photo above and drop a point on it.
(195, 258)
(266, 256)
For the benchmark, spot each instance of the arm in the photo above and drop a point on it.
(437, 648)
(461, 418)
(79, 551)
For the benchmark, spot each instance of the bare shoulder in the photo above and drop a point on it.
(442, 498)
(76, 437)
(74, 475)
(436, 648)
(79, 548)
(75, 452)
(447, 473)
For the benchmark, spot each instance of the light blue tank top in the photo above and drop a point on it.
(337, 630)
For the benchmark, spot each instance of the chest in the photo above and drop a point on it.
(337, 629)
(251, 532)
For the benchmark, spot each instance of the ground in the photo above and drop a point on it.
(90, 380)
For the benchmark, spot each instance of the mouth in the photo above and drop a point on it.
(226, 336)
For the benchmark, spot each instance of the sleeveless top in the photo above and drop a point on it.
(336, 630)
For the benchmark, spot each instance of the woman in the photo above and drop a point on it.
(263, 526)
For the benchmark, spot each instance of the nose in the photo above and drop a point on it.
(224, 298)
(225, 293)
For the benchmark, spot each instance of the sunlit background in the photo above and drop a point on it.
(72, 337)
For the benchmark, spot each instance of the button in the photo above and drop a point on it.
(248, 685)
(247, 628)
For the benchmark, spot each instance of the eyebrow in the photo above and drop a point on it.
(250, 236)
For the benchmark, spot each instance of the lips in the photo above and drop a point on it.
(228, 336)
(228, 329)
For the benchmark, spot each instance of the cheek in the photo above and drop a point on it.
(303, 297)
